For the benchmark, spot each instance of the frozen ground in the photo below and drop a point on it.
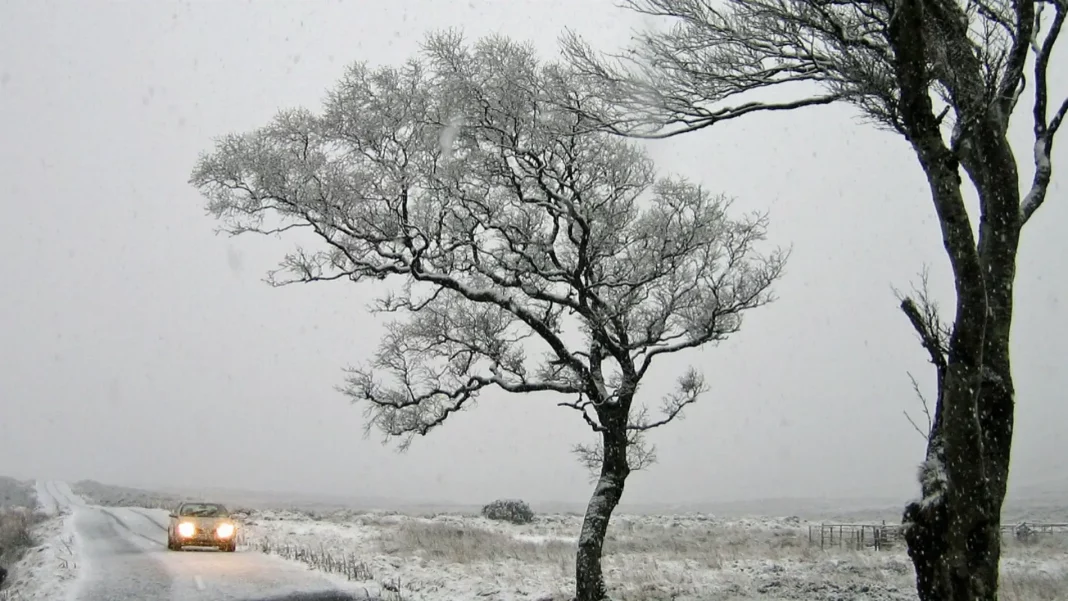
(647, 557)
(48, 567)
(48, 570)
(687, 557)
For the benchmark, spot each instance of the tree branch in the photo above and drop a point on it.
(1044, 128)
(690, 386)
(925, 433)
(923, 314)
(708, 67)
(640, 454)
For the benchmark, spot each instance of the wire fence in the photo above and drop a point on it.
(880, 537)
(855, 536)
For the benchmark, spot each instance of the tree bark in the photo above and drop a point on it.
(992, 168)
(953, 533)
(987, 157)
(589, 578)
(930, 529)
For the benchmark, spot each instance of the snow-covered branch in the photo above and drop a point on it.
(690, 387)
(1045, 127)
(723, 60)
(641, 454)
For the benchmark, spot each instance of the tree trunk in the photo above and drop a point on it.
(956, 549)
(992, 168)
(930, 527)
(589, 579)
(953, 533)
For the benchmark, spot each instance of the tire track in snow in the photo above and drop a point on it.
(62, 497)
(128, 528)
(120, 567)
(144, 513)
(45, 499)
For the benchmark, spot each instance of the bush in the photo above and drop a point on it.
(509, 510)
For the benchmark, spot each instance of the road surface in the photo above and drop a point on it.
(124, 557)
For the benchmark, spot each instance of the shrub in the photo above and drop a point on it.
(509, 510)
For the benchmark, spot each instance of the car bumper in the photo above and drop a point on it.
(204, 539)
(204, 542)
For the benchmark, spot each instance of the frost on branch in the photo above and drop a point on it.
(641, 453)
(532, 254)
(718, 61)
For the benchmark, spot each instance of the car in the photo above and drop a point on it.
(195, 524)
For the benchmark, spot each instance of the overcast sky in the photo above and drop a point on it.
(138, 347)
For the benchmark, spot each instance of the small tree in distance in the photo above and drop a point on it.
(536, 256)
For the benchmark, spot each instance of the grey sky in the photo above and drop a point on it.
(129, 328)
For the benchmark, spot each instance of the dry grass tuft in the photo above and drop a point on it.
(1034, 586)
(322, 559)
(726, 542)
(16, 536)
(16, 532)
(455, 543)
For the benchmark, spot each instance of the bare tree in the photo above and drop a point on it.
(945, 74)
(534, 255)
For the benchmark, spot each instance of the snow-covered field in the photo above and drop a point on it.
(647, 557)
(458, 558)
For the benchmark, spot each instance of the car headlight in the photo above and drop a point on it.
(187, 529)
(225, 530)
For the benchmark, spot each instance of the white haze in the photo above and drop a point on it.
(137, 347)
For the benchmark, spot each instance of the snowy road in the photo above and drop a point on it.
(124, 558)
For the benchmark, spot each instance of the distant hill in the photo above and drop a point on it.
(1044, 502)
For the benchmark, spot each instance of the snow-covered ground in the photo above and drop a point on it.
(48, 570)
(650, 558)
(458, 558)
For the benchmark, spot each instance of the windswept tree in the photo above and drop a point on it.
(947, 75)
(530, 254)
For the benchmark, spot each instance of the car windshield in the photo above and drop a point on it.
(203, 510)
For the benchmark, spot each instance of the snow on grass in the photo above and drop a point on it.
(48, 565)
(400, 557)
(683, 557)
(646, 558)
